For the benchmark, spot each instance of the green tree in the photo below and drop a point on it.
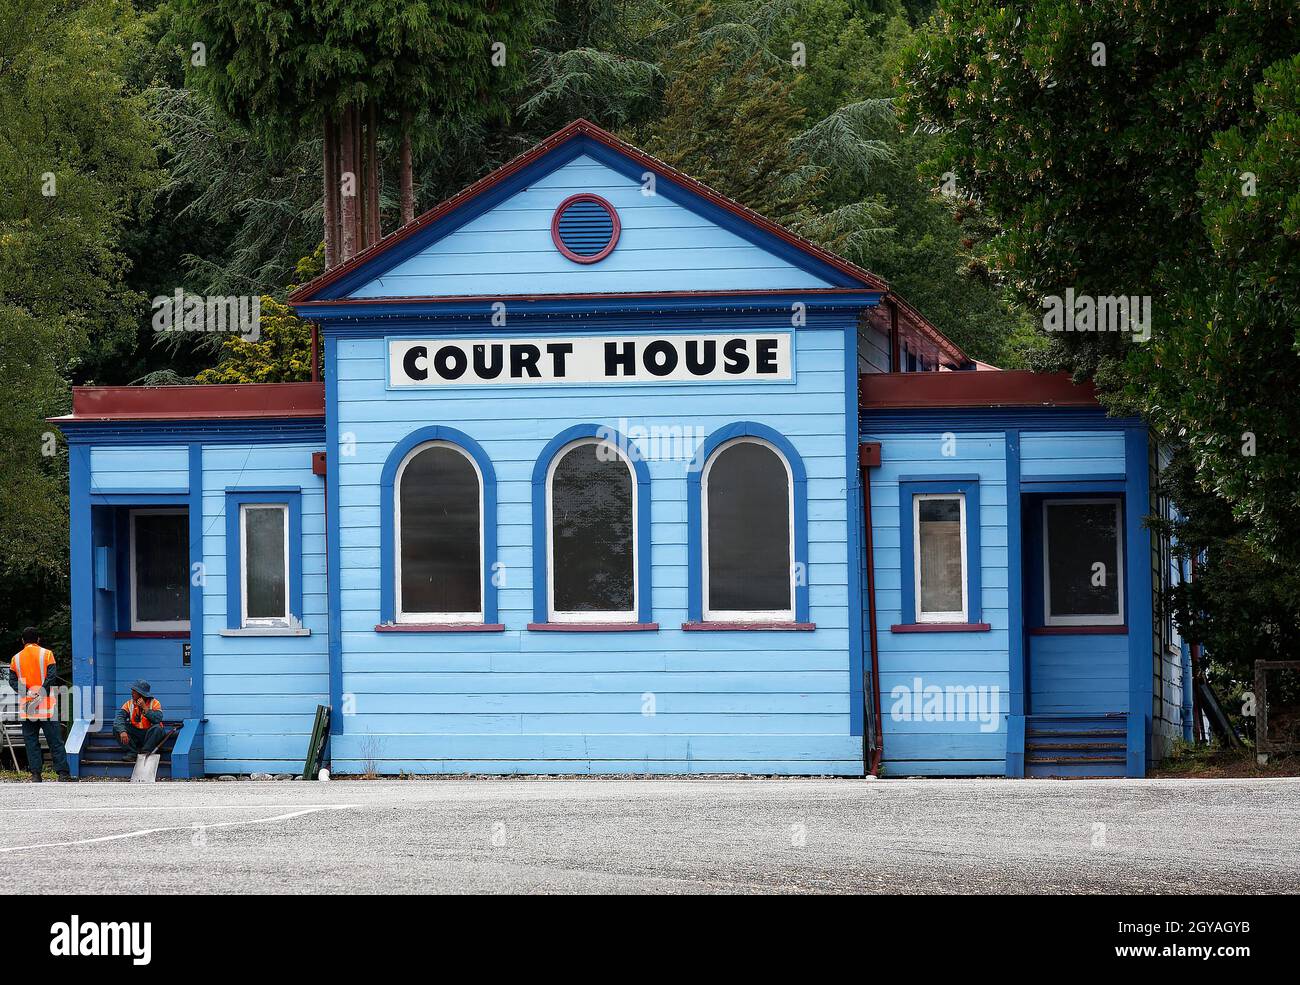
(76, 163)
(1223, 366)
(281, 353)
(1081, 128)
(353, 71)
(1155, 150)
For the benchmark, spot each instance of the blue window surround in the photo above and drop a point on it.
(909, 486)
(541, 562)
(387, 562)
(694, 507)
(290, 496)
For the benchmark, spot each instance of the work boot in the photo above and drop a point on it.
(67, 778)
(36, 778)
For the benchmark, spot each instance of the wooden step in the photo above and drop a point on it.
(1115, 747)
(1038, 760)
(1107, 733)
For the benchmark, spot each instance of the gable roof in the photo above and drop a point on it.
(445, 217)
(332, 288)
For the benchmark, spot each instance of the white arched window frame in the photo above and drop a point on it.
(745, 615)
(402, 615)
(595, 616)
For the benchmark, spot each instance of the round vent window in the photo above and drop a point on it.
(585, 228)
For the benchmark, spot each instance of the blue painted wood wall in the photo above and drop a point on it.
(572, 702)
(1066, 673)
(935, 659)
(261, 692)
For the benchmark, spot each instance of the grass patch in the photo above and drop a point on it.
(1189, 761)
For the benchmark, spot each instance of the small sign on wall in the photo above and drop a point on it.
(584, 359)
(185, 654)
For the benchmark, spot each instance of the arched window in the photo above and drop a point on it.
(748, 533)
(438, 536)
(591, 509)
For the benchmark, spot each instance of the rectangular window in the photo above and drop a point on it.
(1083, 564)
(939, 549)
(264, 564)
(160, 568)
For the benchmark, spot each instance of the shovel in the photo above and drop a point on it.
(146, 766)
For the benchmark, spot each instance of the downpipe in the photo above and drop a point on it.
(869, 458)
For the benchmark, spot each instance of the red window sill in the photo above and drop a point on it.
(749, 627)
(441, 627)
(593, 627)
(941, 627)
(1079, 631)
(157, 634)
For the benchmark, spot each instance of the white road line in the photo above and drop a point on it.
(169, 807)
(180, 827)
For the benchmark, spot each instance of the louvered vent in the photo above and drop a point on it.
(585, 228)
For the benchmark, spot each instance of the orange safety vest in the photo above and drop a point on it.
(138, 720)
(29, 665)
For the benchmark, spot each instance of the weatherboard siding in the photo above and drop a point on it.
(573, 701)
(261, 692)
(915, 747)
(1071, 453)
(155, 468)
(663, 246)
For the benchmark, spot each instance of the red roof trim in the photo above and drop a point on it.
(918, 322)
(969, 388)
(581, 128)
(601, 295)
(232, 401)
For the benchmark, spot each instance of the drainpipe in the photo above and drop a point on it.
(1196, 678)
(869, 458)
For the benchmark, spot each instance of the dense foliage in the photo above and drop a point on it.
(76, 166)
(1146, 148)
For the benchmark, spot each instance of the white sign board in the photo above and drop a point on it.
(588, 359)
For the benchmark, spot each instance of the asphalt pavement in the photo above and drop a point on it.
(690, 835)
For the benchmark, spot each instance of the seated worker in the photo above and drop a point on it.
(138, 724)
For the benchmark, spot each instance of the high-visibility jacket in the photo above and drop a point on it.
(31, 665)
(136, 718)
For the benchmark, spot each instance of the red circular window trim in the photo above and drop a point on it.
(613, 239)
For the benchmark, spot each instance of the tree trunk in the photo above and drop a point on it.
(348, 187)
(374, 173)
(358, 185)
(363, 184)
(330, 169)
(408, 177)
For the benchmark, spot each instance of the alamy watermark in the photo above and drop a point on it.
(236, 314)
(651, 442)
(921, 702)
(1130, 314)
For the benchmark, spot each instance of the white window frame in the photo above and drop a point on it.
(744, 615)
(1116, 619)
(262, 622)
(401, 615)
(153, 625)
(602, 616)
(962, 615)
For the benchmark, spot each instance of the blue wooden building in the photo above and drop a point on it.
(609, 474)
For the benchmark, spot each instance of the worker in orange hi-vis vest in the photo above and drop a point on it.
(138, 724)
(31, 675)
